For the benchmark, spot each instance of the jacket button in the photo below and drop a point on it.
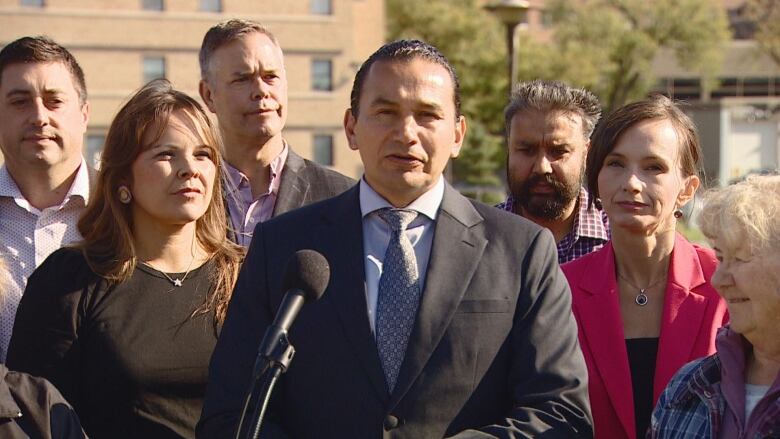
(391, 422)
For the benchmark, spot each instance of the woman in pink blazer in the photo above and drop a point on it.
(643, 303)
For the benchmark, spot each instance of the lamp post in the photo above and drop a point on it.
(511, 13)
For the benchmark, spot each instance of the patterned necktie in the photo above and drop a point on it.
(399, 294)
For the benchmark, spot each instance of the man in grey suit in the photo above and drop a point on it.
(243, 81)
(443, 316)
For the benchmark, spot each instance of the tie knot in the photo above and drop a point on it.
(398, 219)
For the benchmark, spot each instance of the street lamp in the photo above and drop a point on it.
(511, 13)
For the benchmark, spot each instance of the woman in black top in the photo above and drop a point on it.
(124, 323)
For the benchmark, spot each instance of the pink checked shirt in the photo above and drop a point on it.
(245, 210)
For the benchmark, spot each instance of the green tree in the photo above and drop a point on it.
(473, 42)
(766, 15)
(608, 46)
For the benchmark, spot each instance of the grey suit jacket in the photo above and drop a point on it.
(493, 352)
(303, 182)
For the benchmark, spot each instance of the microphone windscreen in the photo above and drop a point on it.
(309, 271)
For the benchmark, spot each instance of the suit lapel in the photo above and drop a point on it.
(293, 187)
(683, 314)
(343, 236)
(599, 315)
(456, 252)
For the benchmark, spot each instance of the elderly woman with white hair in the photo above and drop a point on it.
(735, 393)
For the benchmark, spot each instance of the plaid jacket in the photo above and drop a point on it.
(692, 406)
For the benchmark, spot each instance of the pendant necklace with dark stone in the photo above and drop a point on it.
(641, 298)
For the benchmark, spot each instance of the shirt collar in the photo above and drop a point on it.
(590, 220)
(8, 187)
(427, 204)
(238, 179)
(79, 187)
(508, 204)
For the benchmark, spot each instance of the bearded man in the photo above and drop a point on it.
(548, 127)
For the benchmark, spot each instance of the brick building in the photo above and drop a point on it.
(122, 44)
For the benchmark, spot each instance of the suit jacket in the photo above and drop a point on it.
(692, 313)
(494, 345)
(303, 182)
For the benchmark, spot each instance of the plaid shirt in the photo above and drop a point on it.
(589, 232)
(693, 405)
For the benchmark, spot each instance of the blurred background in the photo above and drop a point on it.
(720, 56)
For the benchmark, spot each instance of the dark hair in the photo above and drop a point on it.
(42, 49)
(106, 224)
(225, 32)
(656, 107)
(551, 96)
(403, 50)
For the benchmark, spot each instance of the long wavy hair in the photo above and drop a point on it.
(107, 224)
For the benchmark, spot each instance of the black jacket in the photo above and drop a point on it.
(31, 407)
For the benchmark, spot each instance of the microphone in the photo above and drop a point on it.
(306, 277)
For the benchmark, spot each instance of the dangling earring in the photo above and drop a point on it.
(124, 194)
(678, 213)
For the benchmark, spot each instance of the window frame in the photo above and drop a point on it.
(316, 80)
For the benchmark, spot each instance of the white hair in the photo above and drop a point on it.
(745, 213)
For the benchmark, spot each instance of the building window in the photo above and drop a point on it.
(154, 67)
(729, 87)
(94, 148)
(322, 75)
(686, 88)
(211, 5)
(32, 3)
(323, 149)
(152, 5)
(321, 7)
(546, 18)
(756, 86)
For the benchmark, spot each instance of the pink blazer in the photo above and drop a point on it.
(692, 313)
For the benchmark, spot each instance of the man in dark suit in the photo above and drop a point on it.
(443, 316)
(243, 81)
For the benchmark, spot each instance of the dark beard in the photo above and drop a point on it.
(550, 206)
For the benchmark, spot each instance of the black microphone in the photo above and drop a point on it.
(306, 277)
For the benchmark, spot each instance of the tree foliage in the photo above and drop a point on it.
(472, 41)
(766, 15)
(608, 46)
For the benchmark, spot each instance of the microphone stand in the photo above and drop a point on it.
(269, 365)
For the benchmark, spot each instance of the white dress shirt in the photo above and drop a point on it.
(376, 236)
(28, 236)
